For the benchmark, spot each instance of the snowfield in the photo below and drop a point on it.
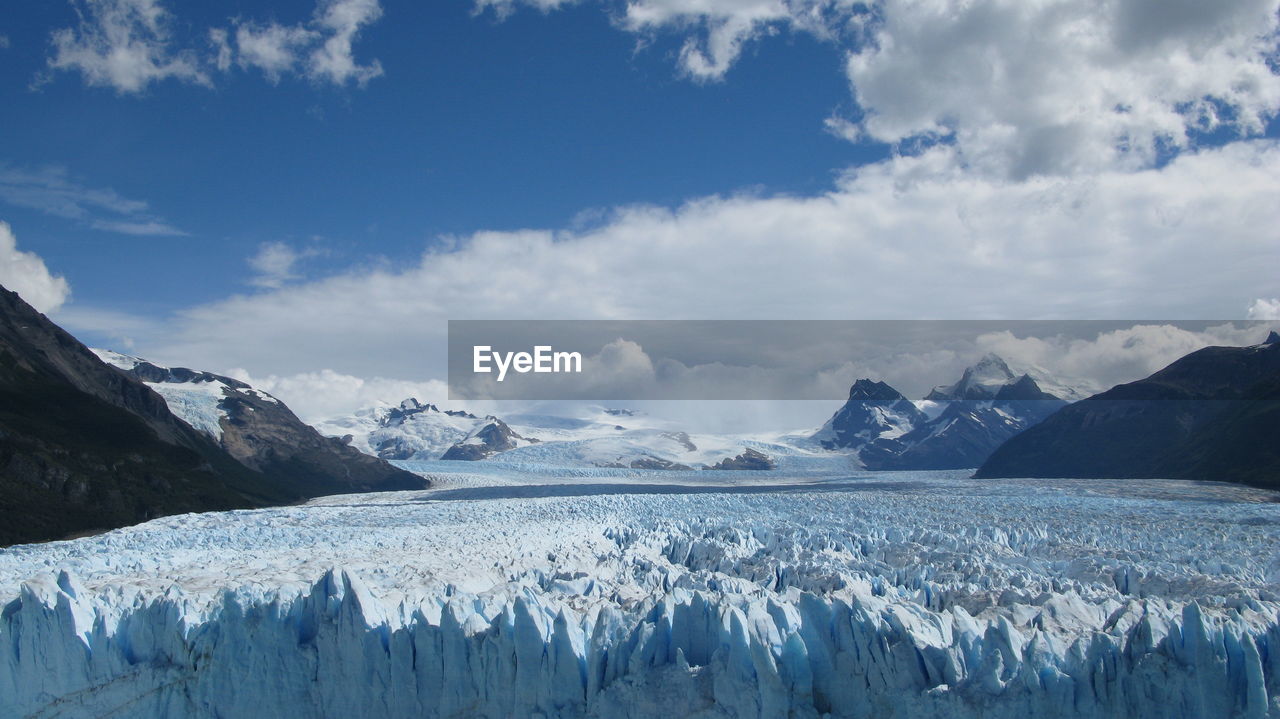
(621, 593)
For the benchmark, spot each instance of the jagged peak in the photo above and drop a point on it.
(867, 389)
(991, 359)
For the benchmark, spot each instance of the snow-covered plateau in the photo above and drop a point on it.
(624, 593)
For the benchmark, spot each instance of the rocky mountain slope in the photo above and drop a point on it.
(261, 432)
(85, 446)
(1213, 414)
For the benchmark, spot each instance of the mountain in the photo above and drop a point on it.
(956, 426)
(410, 430)
(84, 447)
(990, 378)
(491, 438)
(873, 411)
(749, 460)
(261, 432)
(1213, 414)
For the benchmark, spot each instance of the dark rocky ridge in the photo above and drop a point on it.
(485, 442)
(1213, 414)
(749, 460)
(86, 447)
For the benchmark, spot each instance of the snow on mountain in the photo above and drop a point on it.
(492, 437)
(979, 381)
(410, 430)
(955, 426)
(605, 437)
(639, 448)
(874, 411)
(260, 431)
(197, 398)
(903, 595)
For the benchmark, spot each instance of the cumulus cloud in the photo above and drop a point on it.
(718, 30)
(1265, 309)
(1055, 86)
(1114, 245)
(321, 49)
(130, 44)
(53, 191)
(274, 49)
(123, 44)
(342, 20)
(1020, 87)
(26, 274)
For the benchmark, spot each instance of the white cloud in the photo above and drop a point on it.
(123, 44)
(275, 262)
(130, 44)
(1265, 309)
(315, 396)
(342, 20)
(1116, 356)
(1113, 245)
(1021, 87)
(1056, 86)
(53, 191)
(503, 8)
(26, 274)
(274, 49)
(320, 49)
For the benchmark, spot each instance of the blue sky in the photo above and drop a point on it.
(534, 120)
(304, 192)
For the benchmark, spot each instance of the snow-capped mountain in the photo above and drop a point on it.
(955, 426)
(493, 437)
(874, 411)
(410, 430)
(260, 431)
(602, 437)
(195, 397)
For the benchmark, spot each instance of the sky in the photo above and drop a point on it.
(303, 193)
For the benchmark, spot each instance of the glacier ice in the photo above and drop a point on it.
(903, 595)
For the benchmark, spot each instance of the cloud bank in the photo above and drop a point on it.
(1191, 240)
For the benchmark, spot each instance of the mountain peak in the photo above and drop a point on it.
(991, 359)
(981, 380)
(1272, 338)
(866, 389)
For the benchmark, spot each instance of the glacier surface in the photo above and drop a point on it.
(624, 594)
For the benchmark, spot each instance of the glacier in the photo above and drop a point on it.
(701, 594)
